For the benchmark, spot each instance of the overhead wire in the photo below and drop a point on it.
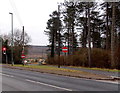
(12, 3)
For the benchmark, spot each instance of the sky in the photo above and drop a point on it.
(32, 14)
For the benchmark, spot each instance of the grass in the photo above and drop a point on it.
(101, 69)
(47, 67)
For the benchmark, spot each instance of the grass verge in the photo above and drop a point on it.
(100, 69)
(45, 67)
(59, 71)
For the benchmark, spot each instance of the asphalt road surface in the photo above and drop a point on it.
(21, 80)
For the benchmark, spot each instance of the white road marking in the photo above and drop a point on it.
(105, 81)
(48, 85)
(6, 75)
(113, 82)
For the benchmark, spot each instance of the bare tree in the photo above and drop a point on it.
(18, 43)
(18, 37)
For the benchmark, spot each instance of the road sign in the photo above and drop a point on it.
(64, 49)
(22, 56)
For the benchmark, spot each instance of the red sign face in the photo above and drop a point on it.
(64, 49)
(22, 56)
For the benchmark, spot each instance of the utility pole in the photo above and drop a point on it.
(12, 38)
(23, 39)
(23, 49)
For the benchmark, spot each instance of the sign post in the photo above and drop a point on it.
(65, 50)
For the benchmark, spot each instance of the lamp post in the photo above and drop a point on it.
(0, 50)
(12, 38)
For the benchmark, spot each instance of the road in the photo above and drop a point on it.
(21, 80)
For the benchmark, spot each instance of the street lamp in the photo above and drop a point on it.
(0, 49)
(12, 38)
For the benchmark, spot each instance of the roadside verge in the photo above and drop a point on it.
(61, 71)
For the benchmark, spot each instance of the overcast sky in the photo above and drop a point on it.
(33, 14)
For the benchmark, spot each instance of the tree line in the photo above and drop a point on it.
(87, 25)
(17, 46)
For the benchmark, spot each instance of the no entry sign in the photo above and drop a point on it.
(64, 49)
(22, 56)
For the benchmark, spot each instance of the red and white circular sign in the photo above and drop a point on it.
(64, 49)
(22, 56)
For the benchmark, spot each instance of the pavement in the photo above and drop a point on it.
(23, 80)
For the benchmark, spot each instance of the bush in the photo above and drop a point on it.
(117, 58)
(99, 58)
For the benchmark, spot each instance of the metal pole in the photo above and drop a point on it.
(0, 50)
(23, 38)
(12, 38)
(6, 59)
(23, 45)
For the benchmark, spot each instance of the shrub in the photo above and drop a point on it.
(99, 58)
(117, 58)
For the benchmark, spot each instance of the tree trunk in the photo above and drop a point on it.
(113, 37)
(89, 38)
(52, 46)
(59, 39)
(73, 48)
(85, 31)
(107, 30)
(68, 39)
(93, 38)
